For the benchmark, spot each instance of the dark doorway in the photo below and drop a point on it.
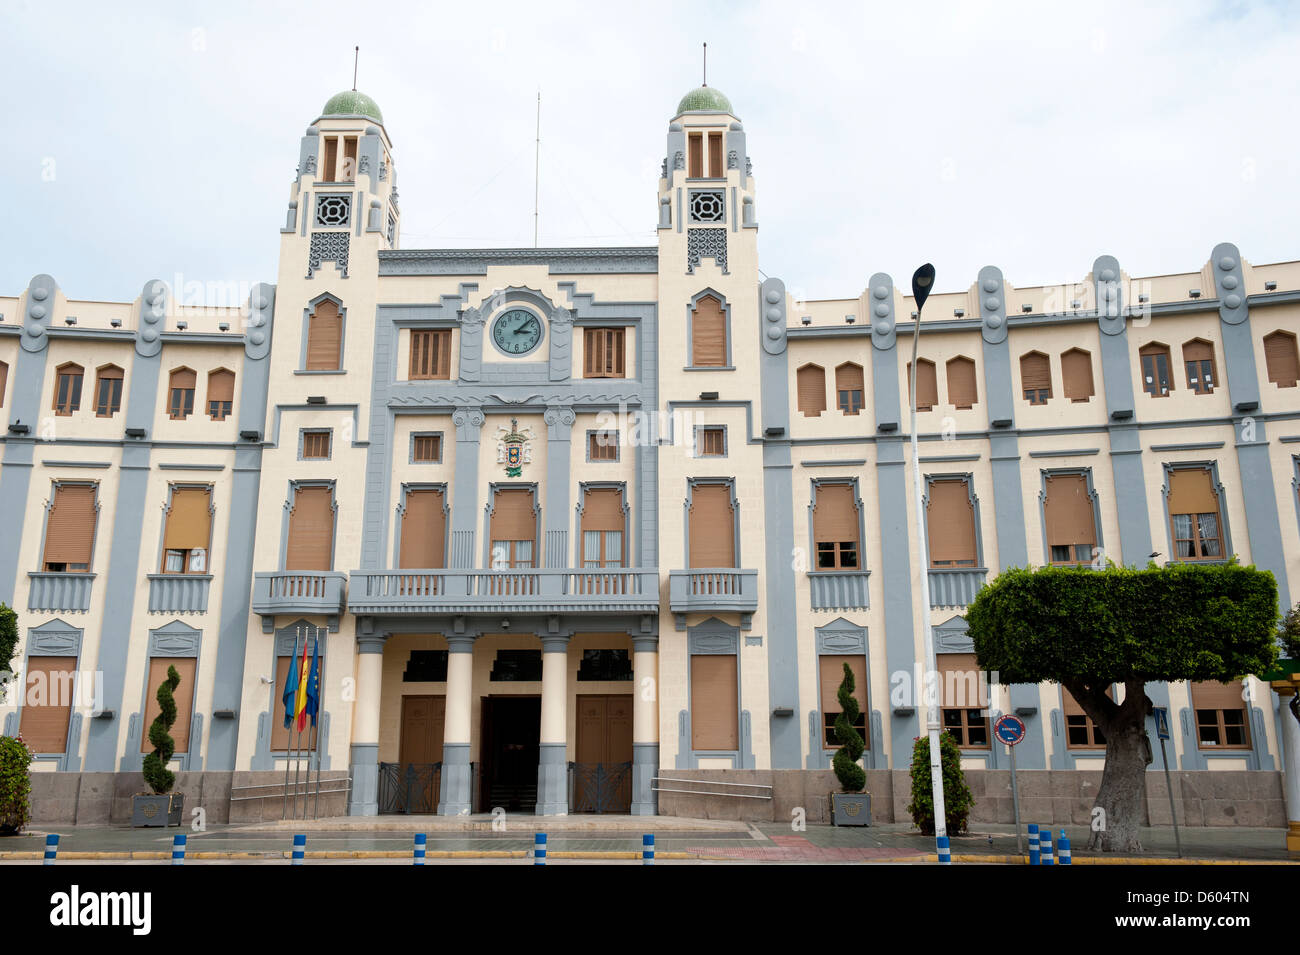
(510, 731)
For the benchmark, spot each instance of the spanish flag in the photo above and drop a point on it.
(300, 700)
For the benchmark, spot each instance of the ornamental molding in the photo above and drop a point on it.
(642, 259)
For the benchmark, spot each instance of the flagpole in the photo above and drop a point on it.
(314, 724)
(285, 807)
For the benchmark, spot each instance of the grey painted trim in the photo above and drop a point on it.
(425, 434)
(1071, 453)
(695, 438)
(1192, 446)
(691, 308)
(404, 490)
(1086, 474)
(969, 478)
(813, 485)
(691, 482)
(1130, 497)
(57, 638)
(363, 792)
(99, 465)
(173, 466)
(1225, 531)
(618, 445)
(307, 312)
(277, 418)
(846, 463)
(302, 434)
(580, 507)
(489, 507)
(714, 637)
(160, 552)
(290, 497)
(575, 261)
(949, 458)
(842, 637)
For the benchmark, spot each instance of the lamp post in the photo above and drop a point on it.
(922, 283)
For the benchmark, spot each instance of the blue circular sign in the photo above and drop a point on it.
(1009, 729)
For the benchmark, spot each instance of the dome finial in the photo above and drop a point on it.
(356, 57)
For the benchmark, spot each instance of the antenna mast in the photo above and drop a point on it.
(356, 56)
(706, 65)
(537, 165)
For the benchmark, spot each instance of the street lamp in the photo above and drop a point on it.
(922, 283)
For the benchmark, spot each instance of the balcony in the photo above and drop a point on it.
(955, 587)
(560, 590)
(179, 593)
(839, 589)
(299, 592)
(61, 592)
(713, 590)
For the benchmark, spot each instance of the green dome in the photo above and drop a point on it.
(704, 99)
(352, 103)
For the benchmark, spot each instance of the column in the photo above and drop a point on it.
(645, 723)
(557, 511)
(1290, 761)
(364, 797)
(456, 789)
(552, 764)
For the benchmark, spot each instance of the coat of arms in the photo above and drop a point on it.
(513, 449)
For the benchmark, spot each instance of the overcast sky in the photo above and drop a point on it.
(159, 140)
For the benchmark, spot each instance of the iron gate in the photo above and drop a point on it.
(601, 787)
(409, 787)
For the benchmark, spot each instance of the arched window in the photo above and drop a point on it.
(1281, 358)
(325, 337)
(708, 333)
(1156, 380)
(221, 393)
(1076, 374)
(927, 384)
(1036, 377)
(67, 389)
(108, 391)
(180, 394)
(848, 387)
(961, 382)
(1198, 359)
(811, 386)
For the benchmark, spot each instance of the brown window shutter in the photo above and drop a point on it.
(331, 159)
(1191, 492)
(811, 385)
(283, 738)
(183, 695)
(951, 523)
(4, 378)
(603, 353)
(324, 337)
(961, 383)
(1071, 706)
(424, 529)
(710, 442)
(602, 510)
(1281, 359)
(712, 526)
(431, 353)
(44, 726)
(848, 377)
(221, 385)
(832, 674)
(1069, 512)
(1197, 350)
(835, 517)
(1076, 374)
(427, 448)
(1212, 695)
(513, 518)
(1036, 373)
(716, 165)
(961, 682)
(602, 445)
(708, 333)
(189, 522)
(350, 158)
(714, 701)
(315, 445)
(927, 384)
(184, 378)
(695, 155)
(311, 530)
(70, 531)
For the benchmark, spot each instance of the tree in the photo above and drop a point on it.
(852, 777)
(957, 798)
(156, 773)
(1289, 633)
(1088, 629)
(8, 641)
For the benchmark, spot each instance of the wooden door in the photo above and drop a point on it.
(420, 747)
(603, 751)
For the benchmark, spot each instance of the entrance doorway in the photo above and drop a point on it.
(412, 784)
(509, 734)
(602, 780)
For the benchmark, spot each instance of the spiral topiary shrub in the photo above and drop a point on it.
(15, 785)
(852, 777)
(156, 773)
(957, 798)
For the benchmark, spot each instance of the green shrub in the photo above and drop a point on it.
(1289, 635)
(15, 785)
(852, 777)
(156, 773)
(8, 641)
(957, 799)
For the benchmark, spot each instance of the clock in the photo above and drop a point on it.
(517, 331)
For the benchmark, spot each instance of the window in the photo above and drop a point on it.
(964, 700)
(221, 393)
(715, 701)
(603, 523)
(961, 382)
(712, 526)
(1282, 359)
(284, 738)
(602, 445)
(602, 353)
(695, 155)
(183, 696)
(316, 445)
(4, 378)
(1220, 716)
(188, 531)
(1070, 519)
(848, 387)
(1155, 370)
(836, 526)
(180, 394)
(1198, 359)
(47, 703)
(513, 528)
(67, 389)
(311, 529)
(349, 158)
(328, 165)
(605, 666)
(811, 386)
(70, 529)
(1080, 731)
(1036, 377)
(108, 391)
(325, 337)
(424, 529)
(711, 441)
(716, 165)
(517, 666)
(1194, 514)
(831, 668)
(430, 353)
(708, 333)
(426, 666)
(426, 448)
(1076, 374)
(950, 521)
(927, 385)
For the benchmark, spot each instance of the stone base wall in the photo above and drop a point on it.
(1056, 797)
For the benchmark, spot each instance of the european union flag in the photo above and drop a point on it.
(313, 682)
(291, 687)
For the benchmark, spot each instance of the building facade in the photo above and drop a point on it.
(566, 520)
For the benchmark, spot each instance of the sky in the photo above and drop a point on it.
(153, 140)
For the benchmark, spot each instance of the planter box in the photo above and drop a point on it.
(851, 809)
(149, 809)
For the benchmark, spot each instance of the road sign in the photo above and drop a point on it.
(1162, 722)
(1009, 729)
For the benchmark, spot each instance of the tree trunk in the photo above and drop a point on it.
(1128, 753)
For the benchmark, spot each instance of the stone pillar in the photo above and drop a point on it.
(645, 724)
(364, 796)
(456, 789)
(1290, 727)
(552, 764)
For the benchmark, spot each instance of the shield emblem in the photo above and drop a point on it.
(514, 454)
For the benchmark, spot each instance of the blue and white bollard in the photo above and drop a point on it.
(539, 849)
(299, 849)
(945, 854)
(51, 848)
(1033, 844)
(178, 849)
(1063, 849)
(648, 849)
(421, 841)
(1045, 846)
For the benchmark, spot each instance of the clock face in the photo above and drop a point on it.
(517, 332)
